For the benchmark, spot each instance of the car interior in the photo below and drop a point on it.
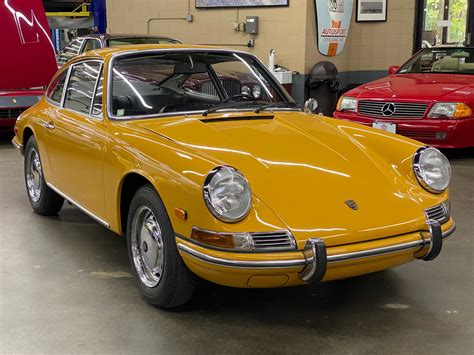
(442, 60)
(456, 62)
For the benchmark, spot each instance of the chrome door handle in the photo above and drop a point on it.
(49, 125)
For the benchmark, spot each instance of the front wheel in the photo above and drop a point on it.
(163, 278)
(43, 200)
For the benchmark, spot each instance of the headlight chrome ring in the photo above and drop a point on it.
(227, 194)
(421, 172)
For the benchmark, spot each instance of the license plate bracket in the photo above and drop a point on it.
(385, 126)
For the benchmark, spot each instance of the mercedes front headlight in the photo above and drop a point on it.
(454, 110)
(432, 169)
(227, 194)
(347, 103)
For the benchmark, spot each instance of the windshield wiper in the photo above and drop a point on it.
(227, 103)
(275, 105)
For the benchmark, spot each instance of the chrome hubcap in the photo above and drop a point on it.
(34, 175)
(147, 246)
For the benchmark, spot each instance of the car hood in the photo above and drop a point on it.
(28, 58)
(419, 87)
(304, 168)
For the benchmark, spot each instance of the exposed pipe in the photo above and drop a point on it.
(161, 19)
(188, 18)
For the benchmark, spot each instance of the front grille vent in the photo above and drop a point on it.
(11, 112)
(418, 135)
(388, 110)
(439, 213)
(273, 241)
(231, 86)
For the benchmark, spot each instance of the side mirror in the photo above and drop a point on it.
(393, 69)
(310, 105)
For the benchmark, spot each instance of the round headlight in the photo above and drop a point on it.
(245, 90)
(256, 91)
(432, 169)
(227, 194)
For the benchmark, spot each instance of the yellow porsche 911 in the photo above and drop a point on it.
(211, 170)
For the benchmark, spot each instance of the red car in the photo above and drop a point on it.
(28, 60)
(430, 98)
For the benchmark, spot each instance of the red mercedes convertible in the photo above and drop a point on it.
(430, 98)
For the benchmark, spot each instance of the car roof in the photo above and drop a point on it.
(124, 35)
(106, 53)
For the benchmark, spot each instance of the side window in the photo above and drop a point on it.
(91, 44)
(55, 90)
(81, 85)
(142, 87)
(70, 51)
(97, 103)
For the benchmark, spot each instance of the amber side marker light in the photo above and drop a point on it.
(220, 240)
(181, 214)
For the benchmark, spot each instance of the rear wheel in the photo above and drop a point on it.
(163, 278)
(43, 200)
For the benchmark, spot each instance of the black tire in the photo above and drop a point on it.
(176, 284)
(47, 202)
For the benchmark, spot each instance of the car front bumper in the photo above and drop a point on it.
(18, 145)
(316, 262)
(448, 133)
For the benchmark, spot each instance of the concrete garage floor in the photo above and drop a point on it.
(65, 287)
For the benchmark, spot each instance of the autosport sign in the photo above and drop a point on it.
(333, 18)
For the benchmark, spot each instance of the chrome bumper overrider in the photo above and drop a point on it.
(17, 145)
(315, 259)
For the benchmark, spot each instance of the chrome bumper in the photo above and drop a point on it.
(18, 146)
(315, 259)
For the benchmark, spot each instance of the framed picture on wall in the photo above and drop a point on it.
(371, 10)
(214, 4)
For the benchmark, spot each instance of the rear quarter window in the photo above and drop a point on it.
(70, 51)
(81, 86)
(56, 88)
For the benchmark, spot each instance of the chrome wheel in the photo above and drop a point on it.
(147, 246)
(34, 175)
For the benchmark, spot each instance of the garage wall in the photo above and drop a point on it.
(281, 28)
(291, 31)
(370, 46)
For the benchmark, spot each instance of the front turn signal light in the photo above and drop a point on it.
(462, 111)
(237, 241)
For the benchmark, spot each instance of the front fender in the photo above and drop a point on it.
(178, 175)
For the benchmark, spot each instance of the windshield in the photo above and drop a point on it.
(454, 60)
(181, 81)
(115, 42)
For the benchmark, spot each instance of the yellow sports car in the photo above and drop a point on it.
(209, 167)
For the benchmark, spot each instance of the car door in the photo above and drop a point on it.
(44, 119)
(77, 136)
